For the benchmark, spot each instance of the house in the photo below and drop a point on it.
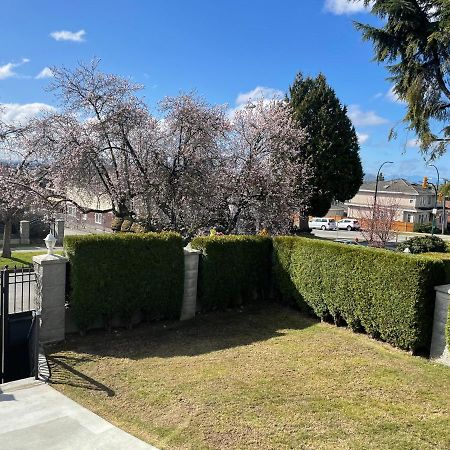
(413, 203)
(93, 221)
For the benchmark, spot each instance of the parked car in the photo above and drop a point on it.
(322, 223)
(348, 224)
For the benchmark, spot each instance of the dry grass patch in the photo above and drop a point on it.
(268, 378)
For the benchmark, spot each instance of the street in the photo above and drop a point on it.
(352, 235)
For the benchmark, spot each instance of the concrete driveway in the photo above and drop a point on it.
(34, 415)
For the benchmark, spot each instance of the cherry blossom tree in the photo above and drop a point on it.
(187, 168)
(100, 142)
(269, 176)
(187, 164)
(14, 201)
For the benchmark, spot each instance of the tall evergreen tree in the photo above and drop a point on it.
(414, 43)
(333, 144)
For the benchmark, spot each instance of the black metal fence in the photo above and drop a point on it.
(19, 324)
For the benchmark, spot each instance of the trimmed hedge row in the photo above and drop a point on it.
(119, 274)
(389, 295)
(233, 270)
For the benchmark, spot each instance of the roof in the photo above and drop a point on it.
(398, 186)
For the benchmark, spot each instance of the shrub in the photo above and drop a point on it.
(126, 225)
(423, 244)
(233, 270)
(120, 274)
(137, 228)
(389, 295)
(422, 228)
(116, 223)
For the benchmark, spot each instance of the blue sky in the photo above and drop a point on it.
(223, 49)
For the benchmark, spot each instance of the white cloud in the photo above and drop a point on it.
(259, 93)
(340, 7)
(65, 35)
(362, 137)
(392, 96)
(413, 143)
(46, 72)
(7, 70)
(19, 113)
(364, 118)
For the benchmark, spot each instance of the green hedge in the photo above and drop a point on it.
(389, 295)
(118, 274)
(233, 270)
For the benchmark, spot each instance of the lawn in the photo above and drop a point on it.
(20, 259)
(259, 379)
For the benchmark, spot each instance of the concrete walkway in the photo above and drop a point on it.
(34, 415)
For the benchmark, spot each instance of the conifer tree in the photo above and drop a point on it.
(333, 144)
(414, 43)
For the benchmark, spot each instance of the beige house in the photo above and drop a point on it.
(413, 203)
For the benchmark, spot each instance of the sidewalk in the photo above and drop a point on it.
(32, 248)
(34, 415)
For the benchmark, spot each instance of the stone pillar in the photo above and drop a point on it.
(439, 347)
(51, 296)
(24, 232)
(59, 231)
(191, 258)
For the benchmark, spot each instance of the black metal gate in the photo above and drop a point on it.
(19, 327)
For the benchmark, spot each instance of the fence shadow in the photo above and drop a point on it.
(64, 372)
(206, 333)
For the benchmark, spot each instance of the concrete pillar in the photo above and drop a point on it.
(191, 258)
(59, 231)
(50, 296)
(439, 347)
(24, 232)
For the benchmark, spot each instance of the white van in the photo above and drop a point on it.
(322, 223)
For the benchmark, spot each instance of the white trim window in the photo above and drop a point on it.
(98, 218)
(71, 211)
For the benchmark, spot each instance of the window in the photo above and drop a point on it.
(98, 218)
(71, 210)
(411, 200)
(84, 216)
(429, 200)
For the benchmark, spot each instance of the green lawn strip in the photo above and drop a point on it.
(261, 378)
(21, 259)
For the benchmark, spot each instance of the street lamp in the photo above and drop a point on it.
(435, 203)
(376, 184)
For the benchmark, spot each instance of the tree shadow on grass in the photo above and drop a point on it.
(205, 334)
